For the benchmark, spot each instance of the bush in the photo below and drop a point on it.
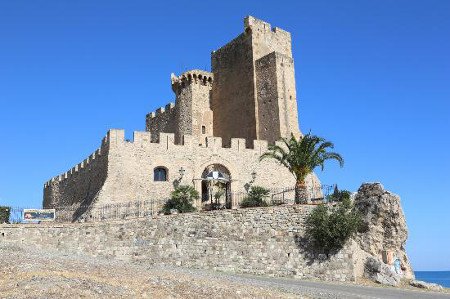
(338, 196)
(181, 200)
(5, 212)
(256, 198)
(329, 228)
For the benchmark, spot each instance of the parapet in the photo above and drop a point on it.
(161, 110)
(167, 141)
(193, 76)
(252, 24)
(116, 138)
(82, 165)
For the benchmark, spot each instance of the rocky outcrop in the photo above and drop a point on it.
(379, 272)
(382, 256)
(426, 285)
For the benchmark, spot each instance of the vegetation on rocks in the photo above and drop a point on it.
(329, 227)
(339, 195)
(256, 198)
(181, 200)
(301, 157)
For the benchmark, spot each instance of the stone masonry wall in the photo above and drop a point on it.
(233, 91)
(131, 164)
(128, 169)
(163, 120)
(255, 241)
(193, 111)
(81, 185)
(241, 77)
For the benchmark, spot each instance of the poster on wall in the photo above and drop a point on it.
(39, 215)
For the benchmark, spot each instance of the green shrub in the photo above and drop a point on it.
(339, 195)
(328, 228)
(181, 200)
(256, 198)
(5, 212)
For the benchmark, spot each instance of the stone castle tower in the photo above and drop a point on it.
(219, 126)
(249, 94)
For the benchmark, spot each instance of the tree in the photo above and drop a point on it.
(5, 212)
(329, 227)
(301, 157)
(255, 198)
(338, 195)
(181, 199)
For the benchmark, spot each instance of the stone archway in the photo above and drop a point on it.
(216, 187)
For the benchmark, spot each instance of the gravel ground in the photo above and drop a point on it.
(29, 273)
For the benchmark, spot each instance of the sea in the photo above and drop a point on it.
(439, 277)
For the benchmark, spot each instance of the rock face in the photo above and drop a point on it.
(426, 285)
(381, 273)
(383, 256)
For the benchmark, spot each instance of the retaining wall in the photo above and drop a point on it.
(265, 241)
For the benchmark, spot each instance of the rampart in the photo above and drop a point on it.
(263, 241)
(123, 170)
(81, 185)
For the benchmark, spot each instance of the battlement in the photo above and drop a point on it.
(193, 76)
(82, 165)
(169, 108)
(253, 24)
(167, 141)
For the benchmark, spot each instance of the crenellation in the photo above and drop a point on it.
(141, 137)
(83, 164)
(188, 140)
(214, 142)
(116, 136)
(260, 146)
(238, 144)
(160, 110)
(170, 106)
(189, 77)
(167, 140)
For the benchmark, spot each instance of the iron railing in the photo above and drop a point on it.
(147, 208)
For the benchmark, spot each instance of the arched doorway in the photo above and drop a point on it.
(216, 187)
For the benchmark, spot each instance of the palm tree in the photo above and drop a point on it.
(301, 157)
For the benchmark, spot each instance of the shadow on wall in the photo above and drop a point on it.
(312, 254)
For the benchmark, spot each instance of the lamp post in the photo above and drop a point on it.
(181, 172)
(253, 176)
(248, 186)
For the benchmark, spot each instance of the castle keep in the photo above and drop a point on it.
(250, 93)
(211, 137)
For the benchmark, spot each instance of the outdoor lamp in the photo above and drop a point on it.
(181, 172)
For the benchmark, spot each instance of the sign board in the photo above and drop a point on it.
(39, 214)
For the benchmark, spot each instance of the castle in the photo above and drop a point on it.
(211, 138)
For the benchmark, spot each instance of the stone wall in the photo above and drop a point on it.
(253, 70)
(255, 241)
(163, 120)
(233, 90)
(81, 185)
(127, 169)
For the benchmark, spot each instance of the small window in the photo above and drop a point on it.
(160, 174)
(203, 130)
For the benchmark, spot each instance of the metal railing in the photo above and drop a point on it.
(126, 210)
(146, 208)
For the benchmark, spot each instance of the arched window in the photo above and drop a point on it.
(160, 174)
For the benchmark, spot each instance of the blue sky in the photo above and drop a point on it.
(372, 76)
